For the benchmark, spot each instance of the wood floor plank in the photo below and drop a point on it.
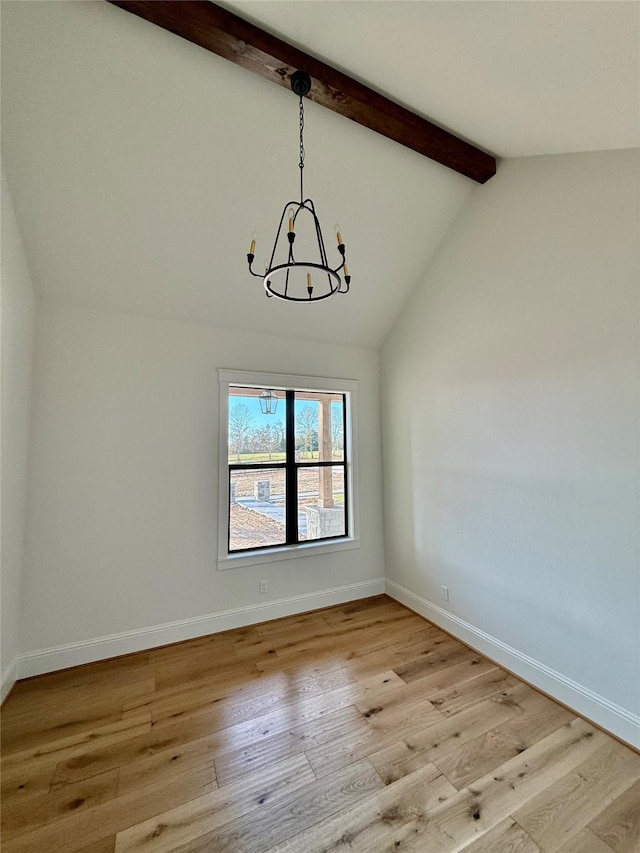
(401, 709)
(117, 753)
(281, 626)
(69, 705)
(457, 671)
(568, 805)
(203, 669)
(453, 699)
(202, 726)
(105, 845)
(200, 667)
(315, 803)
(226, 718)
(586, 842)
(25, 780)
(76, 831)
(18, 739)
(464, 669)
(283, 636)
(171, 828)
(292, 741)
(381, 731)
(435, 743)
(369, 825)
(363, 659)
(225, 714)
(445, 653)
(310, 712)
(161, 766)
(618, 826)
(346, 648)
(320, 635)
(212, 644)
(534, 718)
(353, 616)
(216, 684)
(197, 648)
(329, 640)
(475, 810)
(80, 745)
(345, 729)
(56, 804)
(117, 672)
(505, 837)
(263, 695)
(362, 605)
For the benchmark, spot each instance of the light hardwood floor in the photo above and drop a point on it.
(359, 728)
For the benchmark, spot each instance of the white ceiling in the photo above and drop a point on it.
(516, 78)
(139, 164)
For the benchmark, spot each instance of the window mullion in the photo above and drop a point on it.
(292, 474)
(345, 451)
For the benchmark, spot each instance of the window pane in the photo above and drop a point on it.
(257, 508)
(321, 502)
(256, 425)
(319, 420)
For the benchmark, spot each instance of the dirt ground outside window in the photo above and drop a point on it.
(251, 529)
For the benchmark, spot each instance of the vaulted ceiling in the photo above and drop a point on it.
(140, 164)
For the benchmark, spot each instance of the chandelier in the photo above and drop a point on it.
(285, 275)
(268, 402)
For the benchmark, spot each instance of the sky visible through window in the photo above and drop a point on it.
(259, 420)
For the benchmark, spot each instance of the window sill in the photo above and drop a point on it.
(291, 552)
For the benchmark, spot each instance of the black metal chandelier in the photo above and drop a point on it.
(286, 276)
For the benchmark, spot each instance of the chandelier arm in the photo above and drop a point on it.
(275, 244)
(308, 204)
(323, 251)
(256, 274)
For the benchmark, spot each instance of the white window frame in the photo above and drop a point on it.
(284, 382)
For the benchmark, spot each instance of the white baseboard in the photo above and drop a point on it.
(8, 679)
(100, 648)
(619, 721)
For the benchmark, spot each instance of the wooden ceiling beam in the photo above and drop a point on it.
(214, 28)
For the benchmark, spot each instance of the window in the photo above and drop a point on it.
(287, 474)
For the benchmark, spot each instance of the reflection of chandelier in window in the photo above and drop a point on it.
(268, 402)
(284, 276)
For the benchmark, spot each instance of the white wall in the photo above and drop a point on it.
(18, 310)
(510, 431)
(122, 531)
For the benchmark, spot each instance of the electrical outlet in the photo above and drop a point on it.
(263, 587)
(444, 592)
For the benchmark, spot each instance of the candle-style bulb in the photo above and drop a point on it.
(338, 235)
(308, 279)
(346, 270)
(252, 250)
(290, 220)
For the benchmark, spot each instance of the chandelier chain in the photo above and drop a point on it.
(301, 163)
